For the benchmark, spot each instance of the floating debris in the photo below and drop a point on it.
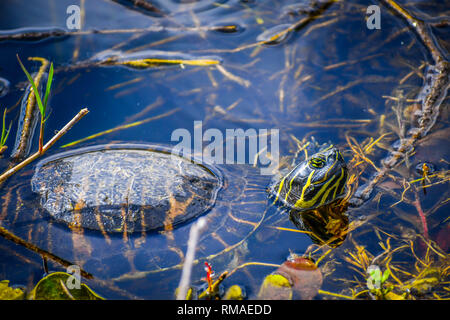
(153, 59)
(142, 6)
(228, 28)
(31, 34)
(275, 35)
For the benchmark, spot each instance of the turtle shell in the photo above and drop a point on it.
(124, 188)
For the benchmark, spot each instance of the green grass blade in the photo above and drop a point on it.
(49, 84)
(2, 140)
(5, 134)
(36, 93)
(48, 116)
(385, 276)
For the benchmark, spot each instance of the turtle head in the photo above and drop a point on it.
(314, 182)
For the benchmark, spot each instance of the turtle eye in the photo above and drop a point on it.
(317, 162)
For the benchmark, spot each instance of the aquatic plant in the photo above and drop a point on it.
(10, 293)
(376, 281)
(42, 104)
(209, 274)
(5, 133)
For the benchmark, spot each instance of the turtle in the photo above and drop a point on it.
(129, 188)
(314, 182)
(312, 190)
(123, 211)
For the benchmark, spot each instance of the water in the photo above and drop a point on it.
(329, 79)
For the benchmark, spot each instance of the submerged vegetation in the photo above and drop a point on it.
(386, 238)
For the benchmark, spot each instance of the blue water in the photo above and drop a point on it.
(289, 90)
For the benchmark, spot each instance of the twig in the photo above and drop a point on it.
(246, 264)
(334, 294)
(52, 141)
(242, 82)
(45, 254)
(44, 34)
(190, 255)
(144, 6)
(66, 290)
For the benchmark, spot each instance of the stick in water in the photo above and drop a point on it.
(52, 141)
(194, 234)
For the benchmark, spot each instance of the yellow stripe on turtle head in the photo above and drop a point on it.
(290, 186)
(279, 189)
(326, 149)
(301, 203)
(334, 187)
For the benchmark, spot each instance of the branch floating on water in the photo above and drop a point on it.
(50, 143)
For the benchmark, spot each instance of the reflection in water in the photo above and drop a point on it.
(328, 224)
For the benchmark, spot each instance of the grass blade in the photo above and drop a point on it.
(36, 93)
(2, 139)
(49, 84)
(5, 133)
(3, 129)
